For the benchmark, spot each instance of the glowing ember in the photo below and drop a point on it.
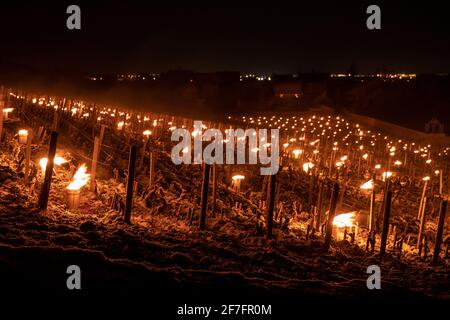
(368, 185)
(344, 220)
(387, 174)
(297, 152)
(307, 166)
(80, 179)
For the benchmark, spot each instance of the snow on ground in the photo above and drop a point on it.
(165, 249)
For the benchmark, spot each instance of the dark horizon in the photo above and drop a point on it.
(262, 38)
(39, 70)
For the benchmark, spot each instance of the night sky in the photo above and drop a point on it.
(260, 37)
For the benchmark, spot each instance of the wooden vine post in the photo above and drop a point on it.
(421, 225)
(440, 230)
(214, 191)
(1, 113)
(102, 133)
(204, 200)
(386, 217)
(43, 198)
(270, 204)
(331, 213)
(94, 163)
(319, 206)
(130, 184)
(421, 198)
(28, 156)
(153, 156)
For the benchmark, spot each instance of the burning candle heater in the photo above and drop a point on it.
(73, 199)
(297, 153)
(6, 112)
(147, 133)
(23, 136)
(236, 182)
(120, 125)
(343, 225)
(80, 179)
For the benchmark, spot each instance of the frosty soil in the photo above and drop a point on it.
(165, 244)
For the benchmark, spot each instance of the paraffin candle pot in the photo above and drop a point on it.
(72, 199)
(23, 136)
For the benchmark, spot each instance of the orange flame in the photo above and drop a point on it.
(57, 161)
(307, 166)
(344, 220)
(367, 185)
(80, 179)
